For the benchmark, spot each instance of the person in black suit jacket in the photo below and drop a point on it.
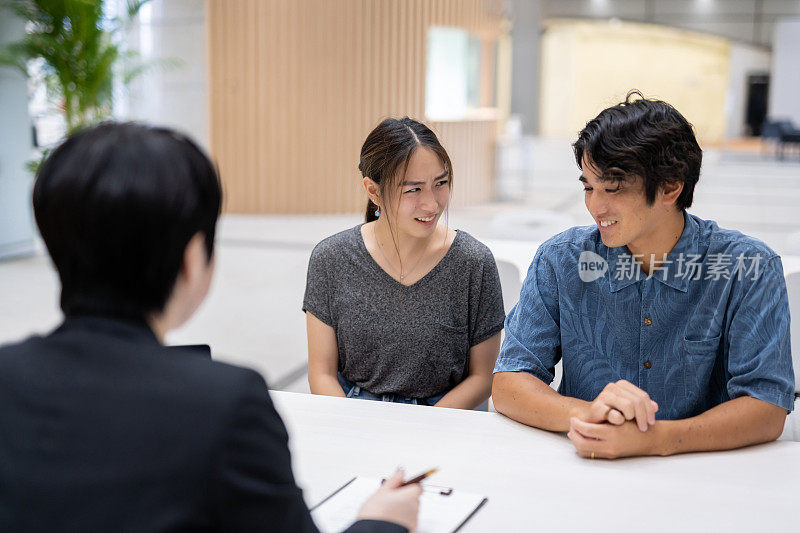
(102, 428)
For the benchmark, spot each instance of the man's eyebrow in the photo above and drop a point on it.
(581, 178)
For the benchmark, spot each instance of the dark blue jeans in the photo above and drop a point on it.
(352, 390)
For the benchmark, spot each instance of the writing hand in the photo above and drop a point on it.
(394, 503)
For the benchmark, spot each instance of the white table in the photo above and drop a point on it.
(534, 480)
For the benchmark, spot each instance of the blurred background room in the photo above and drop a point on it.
(283, 92)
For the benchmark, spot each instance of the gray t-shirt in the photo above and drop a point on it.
(415, 340)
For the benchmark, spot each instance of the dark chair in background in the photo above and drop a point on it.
(783, 133)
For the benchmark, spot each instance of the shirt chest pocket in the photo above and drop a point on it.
(453, 330)
(702, 338)
(699, 356)
(456, 337)
(701, 347)
(453, 346)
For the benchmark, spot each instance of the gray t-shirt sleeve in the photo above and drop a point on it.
(318, 290)
(486, 303)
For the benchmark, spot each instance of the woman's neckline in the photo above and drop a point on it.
(429, 274)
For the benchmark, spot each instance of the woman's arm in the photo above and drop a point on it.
(323, 358)
(476, 389)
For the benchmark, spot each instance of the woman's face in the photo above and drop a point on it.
(423, 194)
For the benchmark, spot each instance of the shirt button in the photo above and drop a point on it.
(647, 321)
(648, 364)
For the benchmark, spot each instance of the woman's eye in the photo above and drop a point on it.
(443, 182)
(415, 189)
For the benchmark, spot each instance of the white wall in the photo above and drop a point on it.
(784, 92)
(16, 224)
(174, 96)
(744, 61)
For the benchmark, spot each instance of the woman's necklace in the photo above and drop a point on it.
(402, 274)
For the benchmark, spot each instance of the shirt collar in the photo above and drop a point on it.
(121, 327)
(623, 274)
(127, 328)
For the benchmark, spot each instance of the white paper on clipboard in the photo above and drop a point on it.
(441, 509)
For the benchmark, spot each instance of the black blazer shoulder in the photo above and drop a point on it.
(106, 429)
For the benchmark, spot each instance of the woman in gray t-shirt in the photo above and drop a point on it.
(401, 308)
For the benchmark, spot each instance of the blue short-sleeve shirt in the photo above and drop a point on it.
(712, 324)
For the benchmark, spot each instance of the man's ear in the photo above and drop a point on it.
(191, 285)
(373, 191)
(195, 259)
(670, 191)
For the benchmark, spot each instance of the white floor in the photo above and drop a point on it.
(252, 316)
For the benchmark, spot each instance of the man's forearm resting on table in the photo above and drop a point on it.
(527, 399)
(743, 421)
(736, 423)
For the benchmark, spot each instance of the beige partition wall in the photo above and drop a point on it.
(590, 65)
(296, 85)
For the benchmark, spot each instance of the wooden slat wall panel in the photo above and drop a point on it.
(296, 85)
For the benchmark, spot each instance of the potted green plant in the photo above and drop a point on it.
(80, 51)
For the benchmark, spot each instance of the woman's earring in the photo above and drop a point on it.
(378, 212)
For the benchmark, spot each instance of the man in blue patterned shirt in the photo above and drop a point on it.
(673, 332)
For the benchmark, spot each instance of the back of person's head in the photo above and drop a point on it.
(387, 151)
(116, 205)
(645, 138)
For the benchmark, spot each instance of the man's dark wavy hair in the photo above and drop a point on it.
(642, 137)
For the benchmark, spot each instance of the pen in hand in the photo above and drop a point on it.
(417, 479)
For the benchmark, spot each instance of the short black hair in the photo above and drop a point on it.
(116, 205)
(642, 137)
